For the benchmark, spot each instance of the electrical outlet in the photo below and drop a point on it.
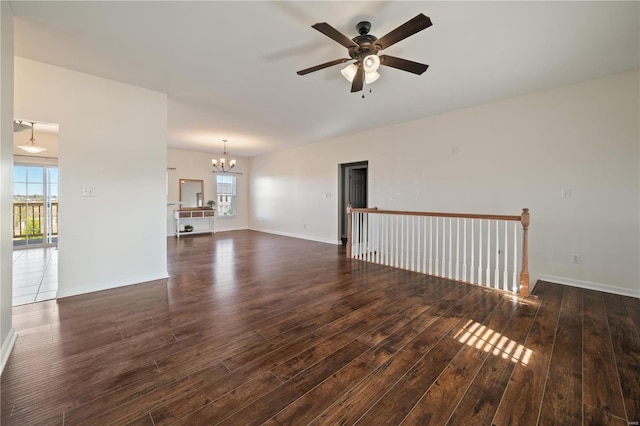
(576, 258)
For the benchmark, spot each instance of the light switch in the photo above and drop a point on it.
(88, 191)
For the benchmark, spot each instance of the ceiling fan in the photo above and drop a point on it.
(364, 49)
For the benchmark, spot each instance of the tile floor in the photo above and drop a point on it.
(35, 275)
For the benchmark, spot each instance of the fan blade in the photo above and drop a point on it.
(405, 30)
(403, 64)
(334, 34)
(358, 79)
(322, 66)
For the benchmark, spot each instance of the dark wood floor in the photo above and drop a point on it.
(253, 328)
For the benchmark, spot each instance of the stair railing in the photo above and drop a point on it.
(474, 248)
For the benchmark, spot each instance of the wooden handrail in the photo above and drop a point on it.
(434, 214)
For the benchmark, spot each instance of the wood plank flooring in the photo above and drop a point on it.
(253, 328)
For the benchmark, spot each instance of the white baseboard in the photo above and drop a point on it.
(302, 237)
(231, 229)
(107, 286)
(591, 285)
(7, 346)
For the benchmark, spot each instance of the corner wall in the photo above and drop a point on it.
(7, 334)
(494, 158)
(113, 138)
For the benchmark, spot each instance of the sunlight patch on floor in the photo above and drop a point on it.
(484, 338)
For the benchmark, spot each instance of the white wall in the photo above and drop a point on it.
(7, 335)
(197, 165)
(113, 138)
(516, 153)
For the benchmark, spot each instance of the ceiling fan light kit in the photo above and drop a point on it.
(371, 64)
(364, 50)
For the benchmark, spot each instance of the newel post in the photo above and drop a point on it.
(524, 274)
(349, 230)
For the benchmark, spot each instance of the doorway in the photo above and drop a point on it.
(35, 212)
(353, 190)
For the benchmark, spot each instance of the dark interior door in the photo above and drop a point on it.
(358, 188)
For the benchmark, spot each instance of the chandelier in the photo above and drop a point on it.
(30, 146)
(223, 164)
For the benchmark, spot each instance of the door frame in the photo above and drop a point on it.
(343, 193)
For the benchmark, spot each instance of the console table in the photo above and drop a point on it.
(202, 221)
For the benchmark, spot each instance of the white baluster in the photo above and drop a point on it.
(464, 249)
(367, 227)
(424, 244)
(450, 260)
(480, 247)
(370, 219)
(457, 248)
(370, 236)
(374, 240)
(496, 277)
(443, 267)
(388, 236)
(360, 219)
(402, 243)
(413, 243)
(373, 235)
(505, 277)
(360, 236)
(396, 219)
(515, 284)
(473, 252)
(418, 259)
(488, 267)
(431, 245)
(409, 265)
(379, 239)
(383, 239)
(437, 268)
(363, 230)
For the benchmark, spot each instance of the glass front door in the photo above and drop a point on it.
(35, 205)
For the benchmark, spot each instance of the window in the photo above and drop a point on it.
(226, 187)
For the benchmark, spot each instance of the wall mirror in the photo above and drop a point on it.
(191, 194)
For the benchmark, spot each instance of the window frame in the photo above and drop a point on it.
(220, 204)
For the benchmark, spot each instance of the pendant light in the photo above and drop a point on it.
(31, 146)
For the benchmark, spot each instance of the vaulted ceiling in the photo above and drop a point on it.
(229, 68)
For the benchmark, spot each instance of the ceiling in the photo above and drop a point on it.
(229, 68)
